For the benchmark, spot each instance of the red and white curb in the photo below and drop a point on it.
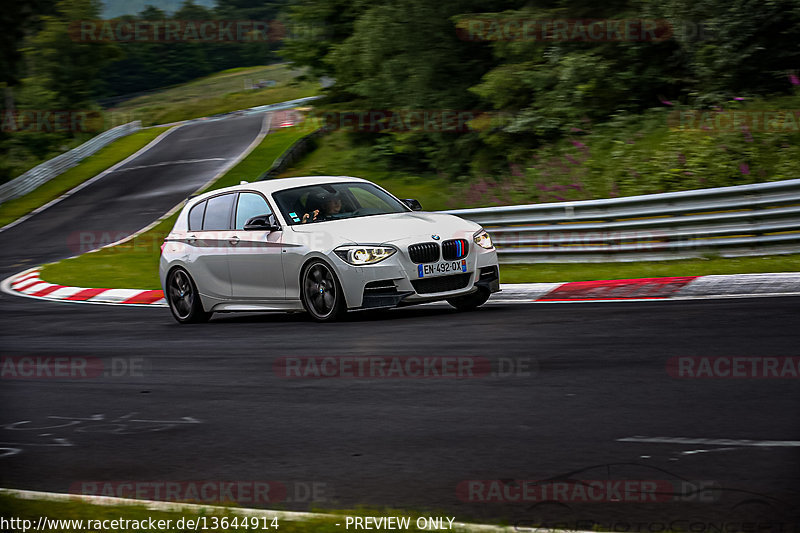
(29, 284)
(654, 289)
(605, 290)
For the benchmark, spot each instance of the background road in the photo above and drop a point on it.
(599, 376)
(134, 195)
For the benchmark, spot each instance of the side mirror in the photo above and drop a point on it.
(262, 223)
(413, 204)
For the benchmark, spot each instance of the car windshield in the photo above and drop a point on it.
(335, 201)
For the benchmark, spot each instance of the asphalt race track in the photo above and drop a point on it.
(207, 402)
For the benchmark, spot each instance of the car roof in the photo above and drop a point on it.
(280, 184)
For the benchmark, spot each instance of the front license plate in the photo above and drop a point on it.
(441, 268)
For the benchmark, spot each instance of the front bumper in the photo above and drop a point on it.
(389, 283)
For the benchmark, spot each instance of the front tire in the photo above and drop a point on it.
(470, 301)
(184, 299)
(321, 292)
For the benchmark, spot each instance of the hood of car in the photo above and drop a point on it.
(394, 228)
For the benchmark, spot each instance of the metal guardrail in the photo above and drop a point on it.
(280, 106)
(743, 220)
(48, 170)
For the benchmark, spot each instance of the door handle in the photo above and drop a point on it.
(191, 239)
(234, 240)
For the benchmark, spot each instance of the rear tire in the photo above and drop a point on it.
(321, 292)
(184, 299)
(471, 301)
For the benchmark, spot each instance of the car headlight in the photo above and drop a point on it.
(364, 255)
(482, 239)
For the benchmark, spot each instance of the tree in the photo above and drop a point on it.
(71, 69)
(251, 9)
(16, 20)
(316, 26)
(738, 48)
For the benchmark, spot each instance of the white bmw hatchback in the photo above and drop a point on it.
(322, 244)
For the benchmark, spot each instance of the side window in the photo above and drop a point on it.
(250, 205)
(218, 213)
(196, 217)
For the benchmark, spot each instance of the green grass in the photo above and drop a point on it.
(219, 93)
(262, 157)
(76, 510)
(555, 272)
(88, 168)
(134, 264)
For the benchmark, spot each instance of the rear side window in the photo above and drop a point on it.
(250, 205)
(218, 213)
(196, 216)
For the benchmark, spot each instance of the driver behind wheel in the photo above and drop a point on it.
(330, 204)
